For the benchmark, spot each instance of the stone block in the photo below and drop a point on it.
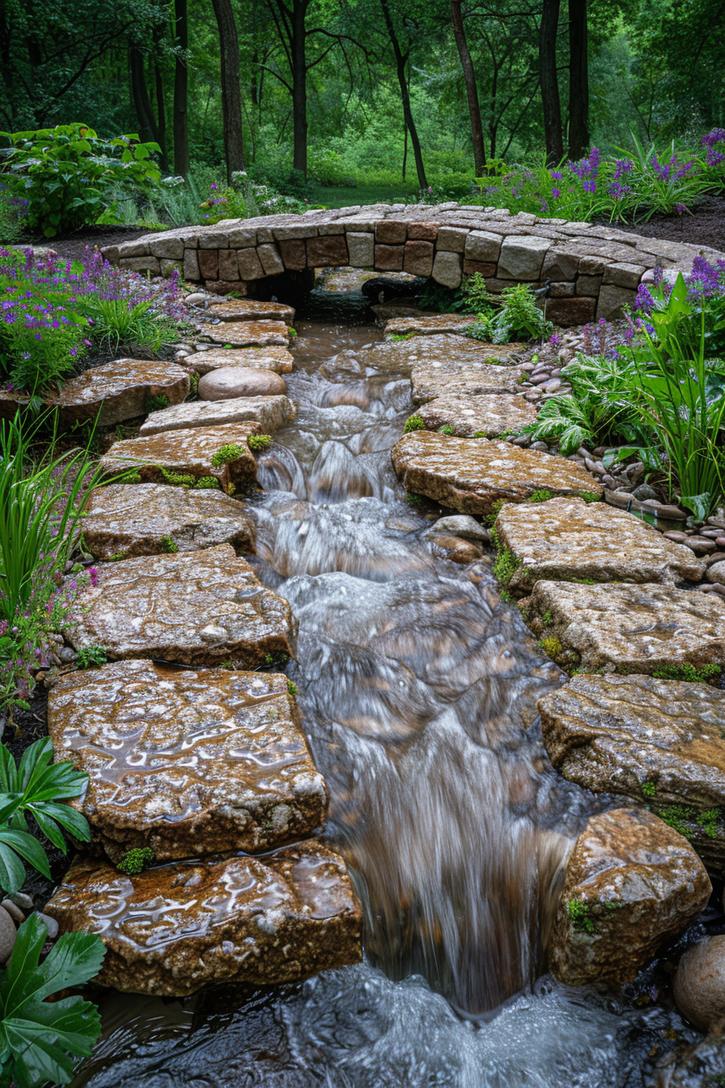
(361, 249)
(120, 390)
(482, 245)
(570, 311)
(588, 286)
(389, 258)
(141, 264)
(173, 248)
(484, 268)
(612, 300)
(448, 269)
(559, 265)
(418, 258)
(169, 268)
(327, 252)
(422, 232)
(228, 265)
(270, 260)
(250, 266)
(293, 254)
(390, 232)
(192, 272)
(522, 257)
(623, 274)
(209, 264)
(451, 239)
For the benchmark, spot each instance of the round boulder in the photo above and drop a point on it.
(238, 381)
(699, 986)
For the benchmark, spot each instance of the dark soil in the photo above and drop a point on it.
(705, 226)
(73, 245)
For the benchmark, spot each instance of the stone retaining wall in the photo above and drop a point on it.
(592, 271)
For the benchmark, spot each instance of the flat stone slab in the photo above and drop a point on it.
(241, 334)
(489, 415)
(193, 608)
(120, 390)
(173, 929)
(123, 520)
(471, 474)
(447, 350)
(436, 379)
(631, 884)
(250, 309)
(658, 742)
(274, 358)
(187, 762)
(426, 324)
(632, 628)
(270, 413)
(567, 539)
(187, 456)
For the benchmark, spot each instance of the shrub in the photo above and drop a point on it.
(516, 317)
(69, 175)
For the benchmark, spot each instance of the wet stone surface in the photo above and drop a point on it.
(187, 762)
(659, 742)
(120, 390)
(249, 309)
(631, 883)
(124, 520)
(470, 475)
(246, 333)
(428, 324)
(567, 538)
(490, 415)
(434, 379)
(188, 455)
(194, 608)
(451, 351)
(275, 358)
(632, 628)
(270, 413)
(176, 928)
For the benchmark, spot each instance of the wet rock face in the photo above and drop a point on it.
(269, 413)
(631, 883)
(123, 520)
(470, 475)
(696, 1066)
(632, 628)
(434, 379)
(659, 742)
(699, 987)
(566, 538)
(194, 608)
(246, 333)
(445, 350)
(488, 415)
(120, 390)
(187, 762)
(173, 929)
(235, 381)
(188, 454)
(250, 309)
(428, 324)
(276, 359)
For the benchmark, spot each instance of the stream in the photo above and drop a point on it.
(417, 686)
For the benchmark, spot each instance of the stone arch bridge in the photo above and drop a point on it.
(590, 271)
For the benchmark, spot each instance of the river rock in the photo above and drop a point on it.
(632, 628)
(235, 381)
(567, 538)
(173, 929)
(631, 883)
(123, 520)
(195, 608)
(187, 456)
(251, 309)
(488, 415)
(187, 762)
(269, 413)
(699, 987)
(120, 390)
(659, 742)
(460, 525)
(242, 334)
(455, 548)
(470, 475)
(434, 379)
(716, 572)
(277, 359)
(697, 1065)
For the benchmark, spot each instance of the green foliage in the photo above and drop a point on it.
(413, 423)
(702, 674)
(226, 454)
(136, 329)
(446, 429)
(517, 317)
(169, 545)
(259, 442)
(398, 337)
(40, 1039)
(69, 175)
(505, 566)
(89, 657)
(580, 916)
(475, 295)
(649, 789)
(291, 687)
(541, 494)
(35, 787)
(206, 483)
(177, 479)
(685, 818)
(552, 646)
(134, 861)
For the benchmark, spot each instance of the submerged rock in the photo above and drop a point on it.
(120, 390)
(699, 987)
(269, 413)
(490, 415)
(173, 929)
(187, 762)
(631, 883)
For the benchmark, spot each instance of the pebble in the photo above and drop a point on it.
(720, 541)
(540, 446)
(538, 378)
(699, 984)
(644, 491)
(8, 933)
(699, 545)
(676, 535)
(66, 655)
(716, 573)
(197, 298)
(460, 525)
(50, 924)
(552, 386)
(521, 440)
(714, 557)
(13, 910)
(23, 900)
(711, 533)
(608, 480)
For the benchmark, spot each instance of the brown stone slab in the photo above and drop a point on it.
(241, 334)
(270, 413)
(428, 324)
(471, 474)
(173, 929)
(274, 358)
(435, 379)
(488, 415)
(568, 539)
(123, 520)
(194, 608)
(120, 390)
(250, 309)
(187, 762)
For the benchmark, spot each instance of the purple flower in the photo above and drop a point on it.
(556, 175)
(621, 167)
(643, 300)
(555, 194)
(555, 339)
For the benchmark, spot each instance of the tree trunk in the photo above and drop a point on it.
(400, 62)
(299, 85)
(578, 80)
(140, 94)
(469, 76)
(160, 104)
(181, 90)
(549, 83)
(231, 93)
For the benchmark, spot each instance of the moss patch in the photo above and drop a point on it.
(703, 674)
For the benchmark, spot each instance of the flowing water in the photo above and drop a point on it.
(418, 688)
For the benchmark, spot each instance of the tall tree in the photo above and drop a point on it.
(578, 79)
(290, 22)
(401, 67)
(230, 84)
(548, 81)
(181, 88)
(469, 78)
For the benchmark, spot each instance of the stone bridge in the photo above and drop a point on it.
(591, 271)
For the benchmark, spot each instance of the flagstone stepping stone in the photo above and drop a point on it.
(250, 309)
(246, 333)
(424, 325)
(216, 456)
(631, 884)
(120, 390)
(658, 742)
(569, 539)
(471, 474)
(124, 520)
(463, 380)
(270, 413)
(187, 762)
(490, 414)
(175, 928)
(446, 351)
(194, 608)
(235, 381)
(272, 358)
(630, 628)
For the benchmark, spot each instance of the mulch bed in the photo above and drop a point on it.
(705, 226)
